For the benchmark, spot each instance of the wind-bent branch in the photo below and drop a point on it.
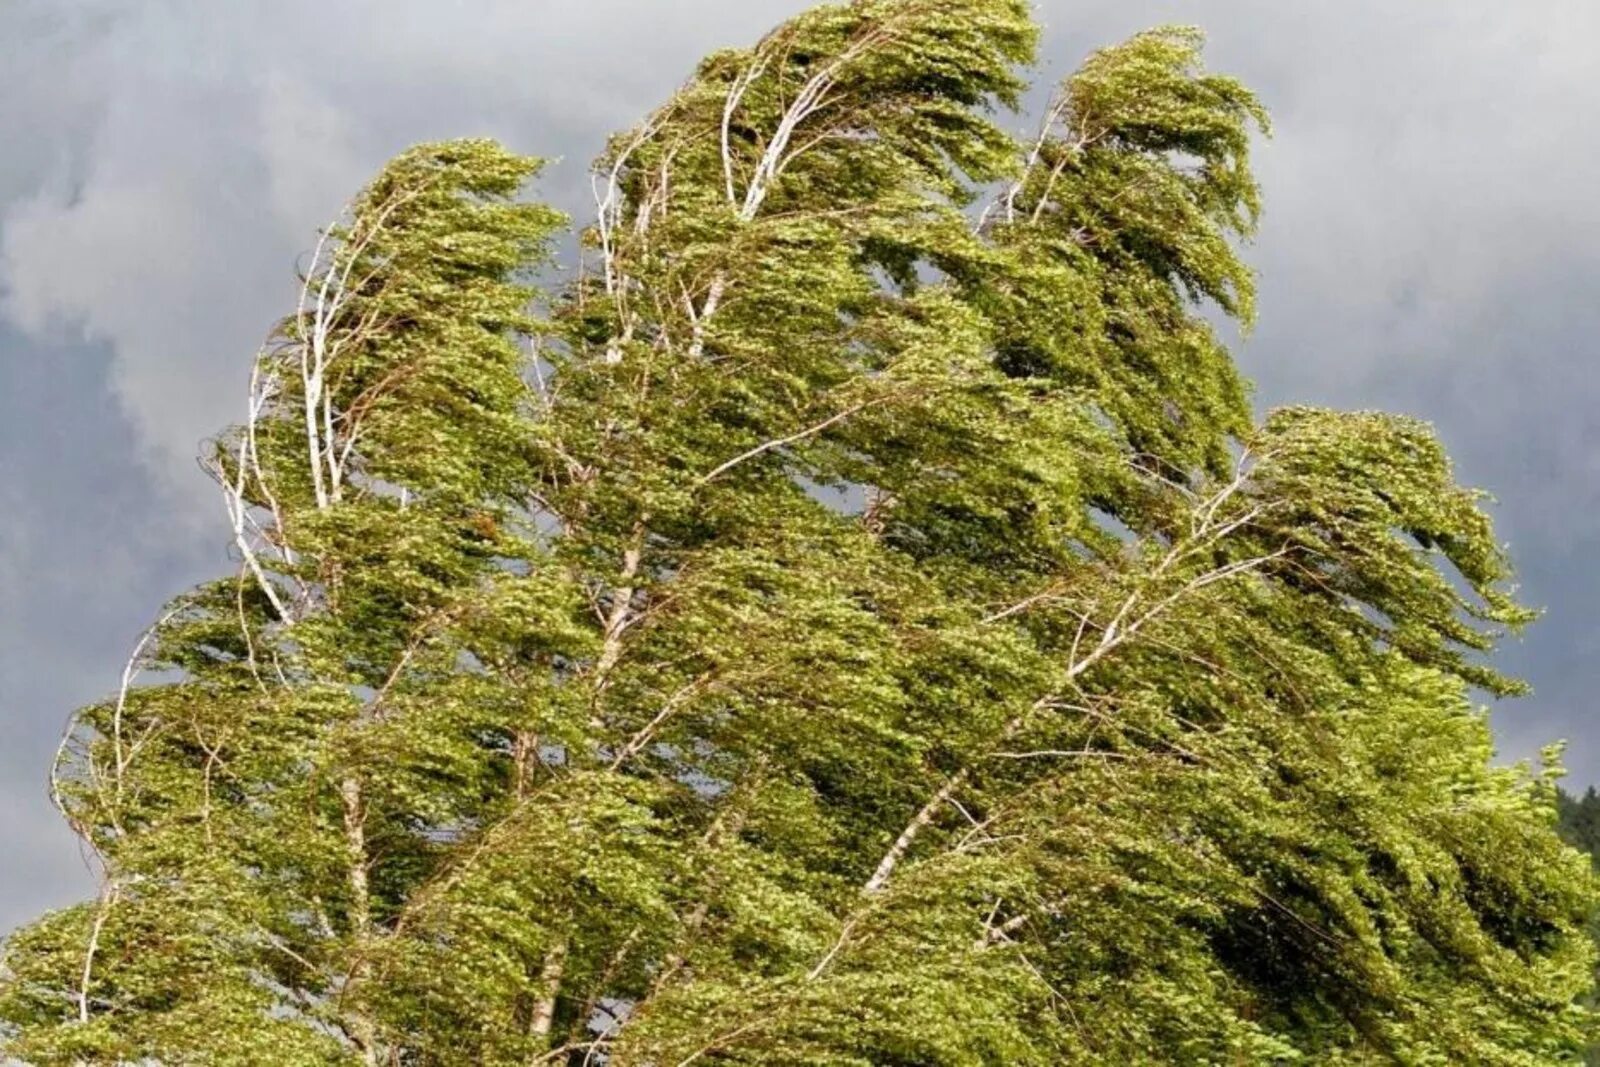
(108, 898)
(799, 435)
(1125, 624)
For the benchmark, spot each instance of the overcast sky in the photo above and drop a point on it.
(1431, 245)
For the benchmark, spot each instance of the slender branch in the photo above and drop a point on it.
(993, 934)
(608, 215)
(309, 339)
(130, 671)
(233, 499)
(1052, 753)
(798, 435)
(838, 946)
(1049, 593)
(263, 389)
(736, 93)
(720, 1040)
(1058, 107)
(908, 836)
(813, 96)
(108, 897)
(642, 738)
(775, 157)
(1124, 625)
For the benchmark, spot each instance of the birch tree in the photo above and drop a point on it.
(856, 619)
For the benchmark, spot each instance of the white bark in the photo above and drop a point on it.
(741, 85)
(775, 157)
(361, 1026)
(639, 740)
(544, 1012)
(798, 435)
(908, 836)
(1130, 618)
(620, 616)
(108, 898)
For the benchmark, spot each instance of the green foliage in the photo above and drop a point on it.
(867, 628)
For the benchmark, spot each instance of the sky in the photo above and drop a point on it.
(1431, 245)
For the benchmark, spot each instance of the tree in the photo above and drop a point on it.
(1579, 825)
(1580, 820)
(865, 626)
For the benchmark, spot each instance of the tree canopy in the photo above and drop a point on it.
(855, 620)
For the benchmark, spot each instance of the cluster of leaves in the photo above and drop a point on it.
(868, 628)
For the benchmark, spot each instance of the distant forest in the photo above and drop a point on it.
(1580, 827)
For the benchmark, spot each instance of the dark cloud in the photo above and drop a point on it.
(1430, 246)
(88, 549)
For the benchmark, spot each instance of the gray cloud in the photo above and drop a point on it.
(88, 549)
(221, 141)
(1430, 245)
